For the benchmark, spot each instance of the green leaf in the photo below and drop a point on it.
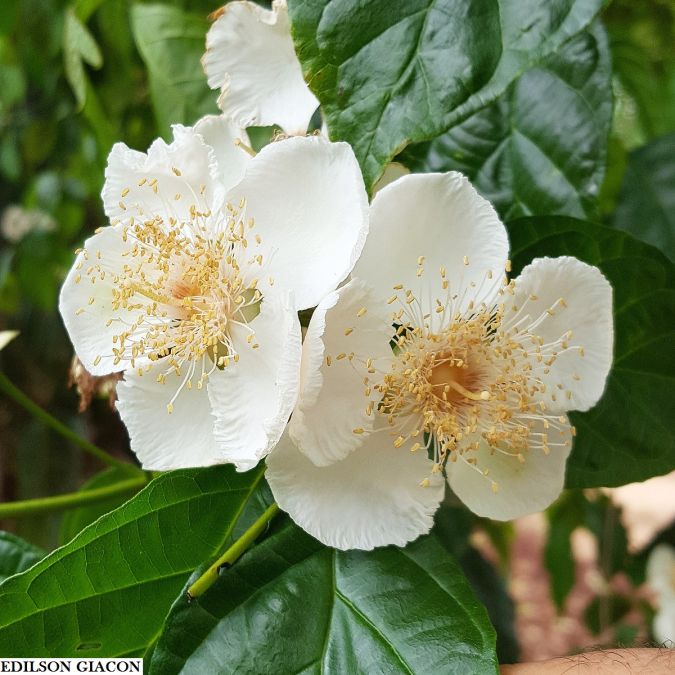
(641, 37)
(16, 555)
(542, 146)
(291, 605)
(453, 526)
(76, 520)
(646, 205)
(629, 435)
(78, 46)
(563, 518)
(106, 593)
(171, 43)
(390, 75)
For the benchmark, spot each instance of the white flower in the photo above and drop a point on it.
(477, 384)
(250, 57)
(661, 577)
(193, 289)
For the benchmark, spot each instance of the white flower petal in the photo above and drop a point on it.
(661, 578)
(251, 58)
(664, 625)
(253, 399)
(441, 218)
(522, 487)
(222, 135)
(332, 402)
(309, 206)
(586, 311)
(371, 498)
(661, 571)
(141, 185)
(6, 336)
(161, 440)
(87, 309)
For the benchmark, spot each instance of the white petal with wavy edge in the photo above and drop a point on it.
(310, 209)
(514, 487)
(250, 57)
(555, 296)
(371, 498)
(87, 309)
(332, 404)
(253, 398)
(165, 182)
(161, 440)
(428, 222)
(223, 135)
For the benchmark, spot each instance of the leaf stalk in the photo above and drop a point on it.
(41, 414)
(31, 507)
(232, 554)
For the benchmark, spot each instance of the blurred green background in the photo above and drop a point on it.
(75, 77)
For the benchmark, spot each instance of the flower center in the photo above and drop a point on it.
(469, 379)
(453, 383)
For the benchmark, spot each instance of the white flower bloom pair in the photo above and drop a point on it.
(193, 290)
(428, 364)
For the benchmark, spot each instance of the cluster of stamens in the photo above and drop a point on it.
(468, 376)
(181, 290)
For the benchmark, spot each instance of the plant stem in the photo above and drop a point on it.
(34, 409)
(232, 554)
(71, 500)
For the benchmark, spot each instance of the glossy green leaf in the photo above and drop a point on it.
(388, 74)
(291, 605)
(78, 46)
(129, 564)
(453, 525)
(76, 520)
(646, 204)
(542, 146)
(629, 435)
(16, 555)
(171, 43)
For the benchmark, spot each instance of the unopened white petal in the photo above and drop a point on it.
(310, 209)
(253, 398)
(436, 223)
(513, 486)
(161, 440)
(560, 297)
(340, 347)
(87, 308)
(373, 497)
(250, 57)
(166, 182)
(225, 138)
